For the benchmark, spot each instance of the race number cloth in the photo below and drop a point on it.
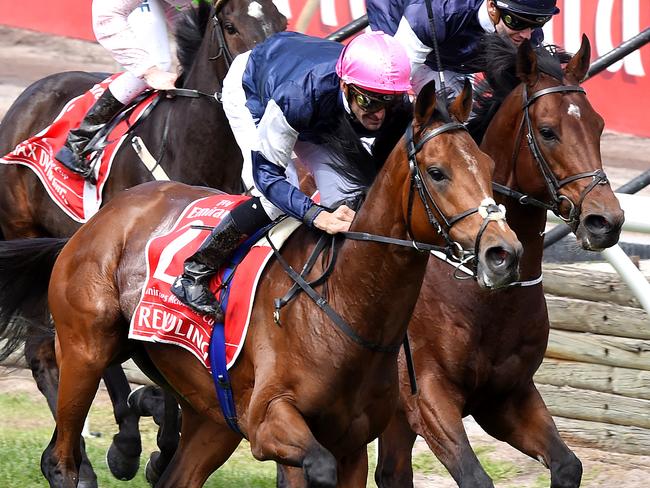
(77, 197)
(161, 317)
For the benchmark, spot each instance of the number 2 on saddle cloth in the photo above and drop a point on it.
(161, 317)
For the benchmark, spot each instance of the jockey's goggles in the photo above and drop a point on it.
(373, 101)
(518, 22)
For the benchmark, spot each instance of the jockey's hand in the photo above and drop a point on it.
(159, 79)
(334, 222)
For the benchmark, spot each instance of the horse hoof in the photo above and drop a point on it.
(122, 467)
(147, 401)
(150, 472)
(320, 469)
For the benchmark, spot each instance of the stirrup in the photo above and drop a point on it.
(65, 156)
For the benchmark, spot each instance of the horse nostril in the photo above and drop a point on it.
(597, 224)
(498, 257)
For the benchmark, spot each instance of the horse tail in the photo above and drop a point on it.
(25, 269)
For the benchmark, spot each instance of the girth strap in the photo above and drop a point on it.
(318, 250)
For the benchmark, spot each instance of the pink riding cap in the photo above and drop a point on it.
(377, 62)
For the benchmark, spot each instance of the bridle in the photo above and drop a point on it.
(488, 209)
(217, 33)
(553, 185)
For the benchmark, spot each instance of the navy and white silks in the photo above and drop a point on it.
(459, 25)
(278, 98)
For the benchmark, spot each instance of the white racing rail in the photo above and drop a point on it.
(637, 219)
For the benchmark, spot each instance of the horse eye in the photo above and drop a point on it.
(230, 29)
(548, 134)
(436, 174)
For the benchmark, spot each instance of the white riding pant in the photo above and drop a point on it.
(333, 187)
(135, 33)
(423, 74)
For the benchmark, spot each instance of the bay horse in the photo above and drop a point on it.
(189, 136)
(474, 353)
(306, 394)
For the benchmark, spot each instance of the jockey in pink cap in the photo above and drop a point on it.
(300, 94)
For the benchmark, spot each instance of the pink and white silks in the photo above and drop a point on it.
(135, 32)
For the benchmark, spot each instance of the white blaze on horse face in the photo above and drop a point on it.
(472, 165)
(574, 111)
(256, 11)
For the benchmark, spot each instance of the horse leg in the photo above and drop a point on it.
(123, 456)
(39, 354)
(394, 457)
(283, 436)
(523, 421)
(81, 368)
(204, 446)
(290, 477)
(441, 425)
(167, 439)
(353, 469)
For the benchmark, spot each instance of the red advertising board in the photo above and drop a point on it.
(619, 94)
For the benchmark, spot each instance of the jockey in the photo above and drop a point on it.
(459, 26)
(281, 97)
(135, 32)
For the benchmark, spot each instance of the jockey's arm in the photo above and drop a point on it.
(270, 179)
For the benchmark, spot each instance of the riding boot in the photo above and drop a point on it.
(192, 287)
(70, 155)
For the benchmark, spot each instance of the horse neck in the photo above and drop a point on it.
(202, 149)
(382, 281)
(527, 221)
(207, 72)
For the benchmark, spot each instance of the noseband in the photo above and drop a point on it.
(553, 185)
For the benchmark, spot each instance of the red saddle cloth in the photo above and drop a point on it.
(161, 317)
(70, 191)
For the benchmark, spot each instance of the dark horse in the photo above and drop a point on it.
(474, 353)
(189, 136)
(306, 394)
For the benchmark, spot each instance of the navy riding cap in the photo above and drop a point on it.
(529, 7)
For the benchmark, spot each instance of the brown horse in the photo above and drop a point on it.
(189, 136)
(307, 395)
(474, 353)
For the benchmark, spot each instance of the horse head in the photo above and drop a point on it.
(448, 196)
(563, 167)
(209, 36)
(245, 23)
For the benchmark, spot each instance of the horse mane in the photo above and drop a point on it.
(190, 30)
(499, 63)
(351, 159)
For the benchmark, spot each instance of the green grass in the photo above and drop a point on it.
(26, 428)
(500, 471)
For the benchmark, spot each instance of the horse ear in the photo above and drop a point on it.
(577, 68)
(527, 63)
(462, 105)
(425, 103)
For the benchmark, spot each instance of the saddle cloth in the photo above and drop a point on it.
(77, 197)
(161, 317)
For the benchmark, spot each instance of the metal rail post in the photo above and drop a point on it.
(349, 30)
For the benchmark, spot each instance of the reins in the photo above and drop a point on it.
(552, 183)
